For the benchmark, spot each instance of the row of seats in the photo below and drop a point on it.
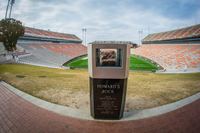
(34, 60)
(51, 54)
(50, 34)
(47, 53)
(70, 50)
(192, 31)
(172, 56)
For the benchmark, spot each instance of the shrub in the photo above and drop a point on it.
(10, 31)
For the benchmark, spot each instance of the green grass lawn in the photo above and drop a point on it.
(71, 87)
(80, 62)
(139, 63)
(136, 63)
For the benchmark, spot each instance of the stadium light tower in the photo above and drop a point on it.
(11, 5)
(140, 32)
(84, 30)
(9, 8)
(85, 36)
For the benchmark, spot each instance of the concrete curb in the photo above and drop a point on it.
(75, 113)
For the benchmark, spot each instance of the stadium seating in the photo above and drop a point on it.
(40, 47)
(49, 34)
(33, 60)
(176, 50)
(184, 33)
(50, 54)
(70, 50)
(47, 48)
(179, 57)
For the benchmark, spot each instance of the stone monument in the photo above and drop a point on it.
(108, 64)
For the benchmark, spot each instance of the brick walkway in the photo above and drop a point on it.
(19, 116)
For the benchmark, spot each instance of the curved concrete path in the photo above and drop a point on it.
(18, 115)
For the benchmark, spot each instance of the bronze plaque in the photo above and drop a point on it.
(107, 98)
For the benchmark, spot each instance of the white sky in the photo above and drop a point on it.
(106, 19)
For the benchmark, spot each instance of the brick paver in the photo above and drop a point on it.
(20, 116)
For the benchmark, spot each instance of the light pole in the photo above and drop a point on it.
(7, 9)
(140, 32)
(9, 4)
(84, 30)
(85, 36)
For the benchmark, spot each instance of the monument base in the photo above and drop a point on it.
(107, 98)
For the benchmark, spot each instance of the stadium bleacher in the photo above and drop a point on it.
(51, 54)
(176, 50)
(70, 50)
(49, 34)
(192, 33)
(174, 57)
(47, 48)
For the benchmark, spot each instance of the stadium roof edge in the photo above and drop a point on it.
(52, 34)
(175, 29)
(113, 42)
(183, 33)
(48, 30)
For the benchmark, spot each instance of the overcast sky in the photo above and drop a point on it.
(106, 19)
